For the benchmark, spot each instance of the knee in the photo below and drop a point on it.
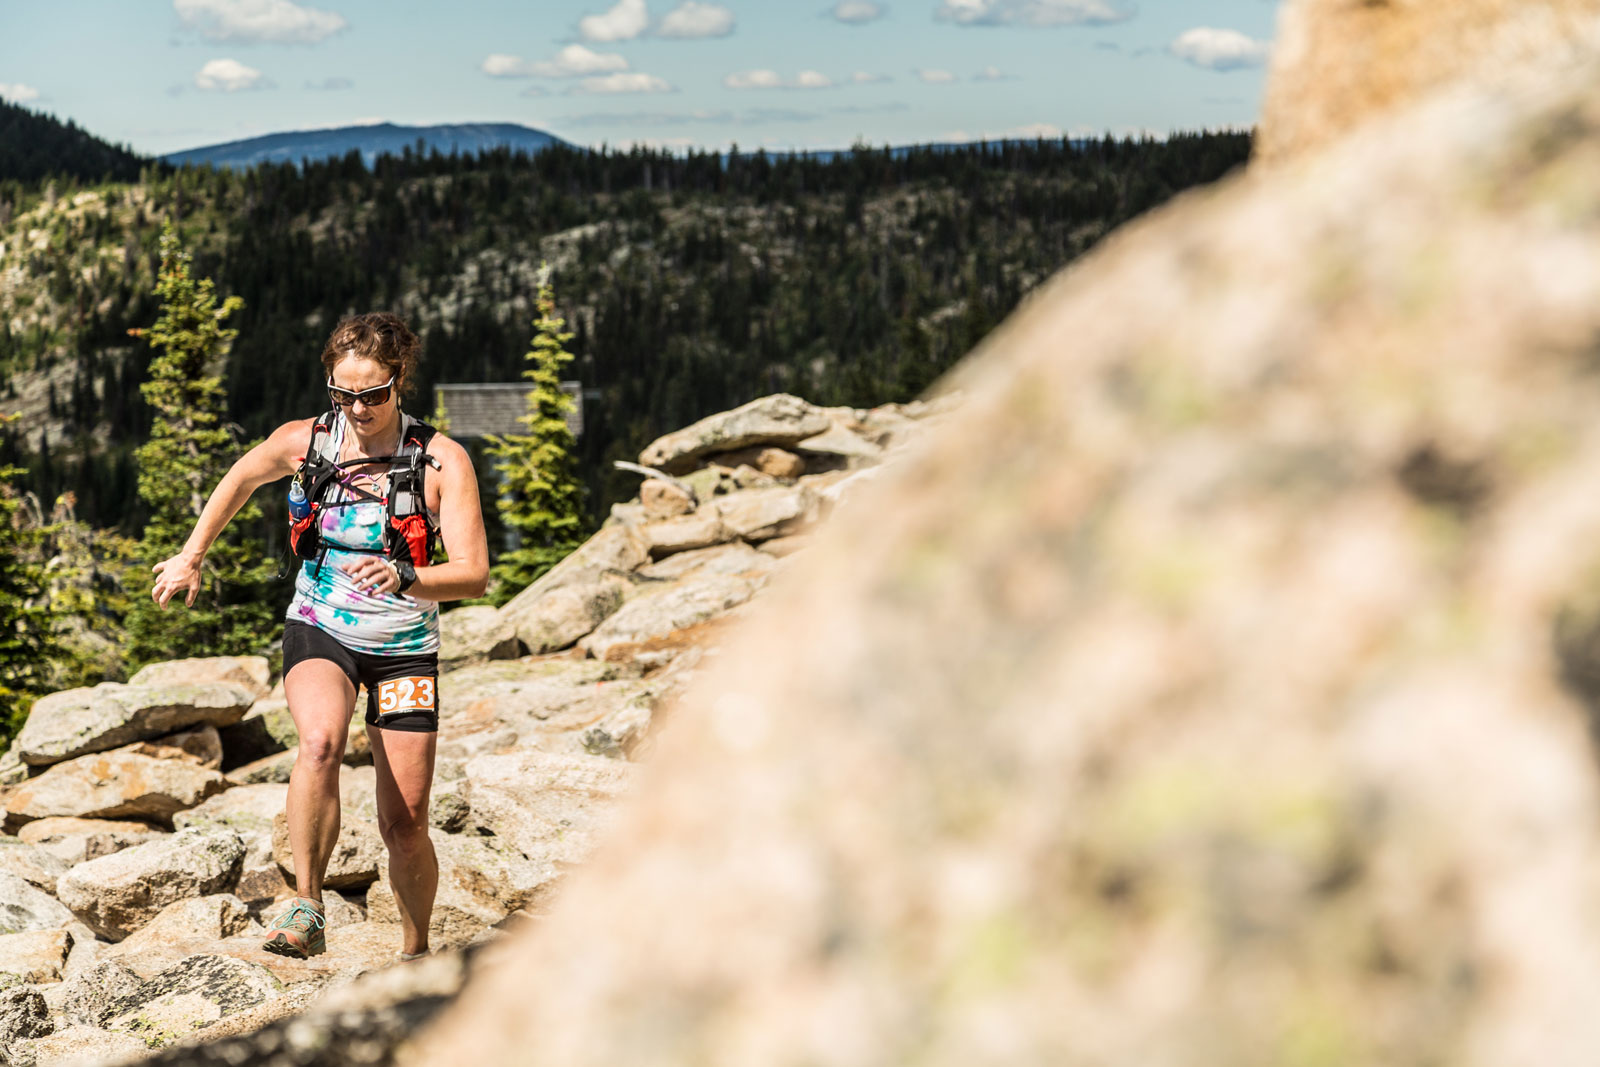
(321, 751)
(405, 832)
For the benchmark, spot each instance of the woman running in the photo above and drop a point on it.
(365, 608)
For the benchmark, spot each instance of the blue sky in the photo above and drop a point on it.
(162, 75)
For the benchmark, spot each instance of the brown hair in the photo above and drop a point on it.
(380, 336)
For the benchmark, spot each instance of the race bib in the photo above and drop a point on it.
(405, 694)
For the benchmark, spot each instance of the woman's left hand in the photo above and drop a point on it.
(373, 575)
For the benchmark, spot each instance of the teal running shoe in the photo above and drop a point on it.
(299, 932)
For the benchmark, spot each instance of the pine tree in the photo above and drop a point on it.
(188, 452)
(541, 496)
(27, 644)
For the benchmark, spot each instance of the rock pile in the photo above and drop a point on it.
(144, 845)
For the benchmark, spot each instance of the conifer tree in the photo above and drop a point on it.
(541, 496)
(189, 449)
(27, 643)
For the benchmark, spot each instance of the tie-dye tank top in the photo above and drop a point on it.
(382, 623)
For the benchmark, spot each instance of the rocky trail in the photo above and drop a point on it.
(144, 848)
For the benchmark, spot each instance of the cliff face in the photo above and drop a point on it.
(1212, 688)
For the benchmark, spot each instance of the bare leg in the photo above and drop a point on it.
(404, 762)
(321, 699)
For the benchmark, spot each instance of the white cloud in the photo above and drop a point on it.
(623, 22)
(229, 76)
(258, 21)
(500, 65)
(935, 77)
(754, 79)
(692, 19)
(1031, 12)
(573, 61)
(862, 77)
(1215, 49)
(993, 74)
(857, 12)
(636, 82)
(771, 79)
(17, 93)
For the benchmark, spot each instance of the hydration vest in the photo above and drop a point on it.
(408, 533)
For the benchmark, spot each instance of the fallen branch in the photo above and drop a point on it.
(651, 472)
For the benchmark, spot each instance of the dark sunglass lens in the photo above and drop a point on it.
(371, 398)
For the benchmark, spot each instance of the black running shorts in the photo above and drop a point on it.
(402, 691)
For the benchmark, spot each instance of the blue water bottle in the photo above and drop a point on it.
(299, 506)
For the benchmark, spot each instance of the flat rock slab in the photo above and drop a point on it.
(685, 533)
(252, 672)
(352, 949)
(357, 853)
(760, 514)
(36, 956)
(558, 617)
(38, 867)
(24, 908)
(114, 784)
(81, 1046)
(246, 809)
(189, 996)
(213, 917)
(780, 420)
(547, 806)
(474, 634)
(735, 558)
(840, 441)
(117, 894)
(73, 840)
(659, 612)
(79, 721)
(547, 701)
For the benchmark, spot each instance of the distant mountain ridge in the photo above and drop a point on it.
(293, 146)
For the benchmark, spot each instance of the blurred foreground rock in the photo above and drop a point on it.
(1215, 686)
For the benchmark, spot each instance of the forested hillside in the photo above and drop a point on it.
(693, 283)
(35, 146)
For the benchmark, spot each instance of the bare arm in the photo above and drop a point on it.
(276, 457)
(466, 575)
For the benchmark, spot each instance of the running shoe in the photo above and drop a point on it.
(298, 932)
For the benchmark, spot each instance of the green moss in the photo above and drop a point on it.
(151, 1033)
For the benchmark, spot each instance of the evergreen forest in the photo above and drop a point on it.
(690, 283)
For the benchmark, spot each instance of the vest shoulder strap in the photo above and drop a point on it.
(417, 436)
(322, 439)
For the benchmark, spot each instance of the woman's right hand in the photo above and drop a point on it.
(180, 573)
